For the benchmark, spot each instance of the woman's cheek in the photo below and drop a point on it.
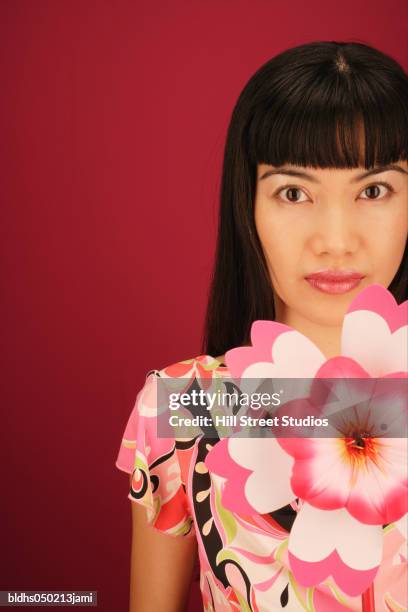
(388, 245)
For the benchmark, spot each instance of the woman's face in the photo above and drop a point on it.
(328, 233)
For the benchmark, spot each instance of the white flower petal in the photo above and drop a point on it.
(367, 339)
(268, 487)
(317, 533)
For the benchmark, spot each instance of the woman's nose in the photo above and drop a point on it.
(336, 231)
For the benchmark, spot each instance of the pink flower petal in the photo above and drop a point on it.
(378, 299)
(380, 491)
(375, 332)
(341, 367)
(264, 457)
(348, 580)
(318, 476)
(277, 352)
(219, 461)
(332, 543)
(375, 493)
(247, 465)
(263, 336)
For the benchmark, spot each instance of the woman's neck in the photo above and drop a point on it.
(327, 338)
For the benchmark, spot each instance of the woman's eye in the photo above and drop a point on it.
(292, 194)
(376, 192)
(295, 195)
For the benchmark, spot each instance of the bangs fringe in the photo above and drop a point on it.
(344, 122)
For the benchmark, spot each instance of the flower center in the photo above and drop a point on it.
(360, 448)
(359, 440)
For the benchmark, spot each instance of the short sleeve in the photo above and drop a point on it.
(157, 481)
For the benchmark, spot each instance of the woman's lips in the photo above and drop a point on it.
(334, 281)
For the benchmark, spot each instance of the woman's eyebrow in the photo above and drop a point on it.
(378, 170)
(309, 177)
(289, 172)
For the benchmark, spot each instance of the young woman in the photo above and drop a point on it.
(314, 207)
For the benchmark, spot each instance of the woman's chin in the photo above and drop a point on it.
(327, 309)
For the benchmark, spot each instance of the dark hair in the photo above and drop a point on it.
(309, 106)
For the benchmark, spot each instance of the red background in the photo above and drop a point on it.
(113, 117)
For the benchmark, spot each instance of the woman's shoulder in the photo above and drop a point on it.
(201, 366)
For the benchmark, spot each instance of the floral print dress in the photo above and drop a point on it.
(243, 558)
